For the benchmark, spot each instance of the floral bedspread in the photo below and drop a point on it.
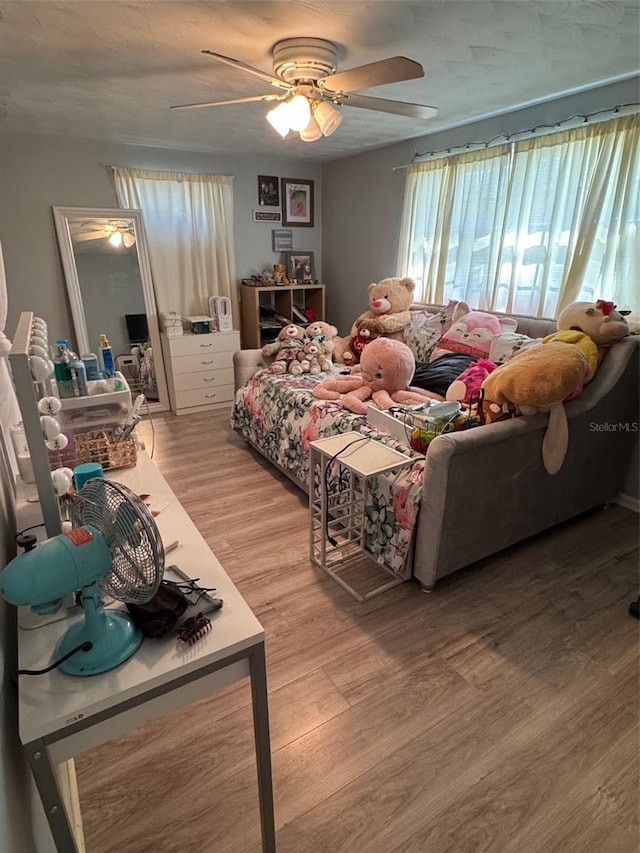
(280, 416)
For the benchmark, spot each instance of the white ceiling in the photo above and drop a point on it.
(110, 70)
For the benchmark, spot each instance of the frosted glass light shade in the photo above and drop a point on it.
(311, 132)
(328, 117)
(278, 118)
(299, 112)
(128, 239)
(116, 239)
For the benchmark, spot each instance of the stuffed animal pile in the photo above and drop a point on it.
(387, 315)
(543, 377)
(300, 350)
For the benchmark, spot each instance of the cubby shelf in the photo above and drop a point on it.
(260, 305)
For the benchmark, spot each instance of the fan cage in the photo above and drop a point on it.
(130, 532)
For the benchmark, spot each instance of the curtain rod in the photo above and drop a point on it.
(538, 129)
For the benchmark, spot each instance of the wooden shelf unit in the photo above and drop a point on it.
(278, 298)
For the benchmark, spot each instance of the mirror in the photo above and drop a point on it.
(106, 266)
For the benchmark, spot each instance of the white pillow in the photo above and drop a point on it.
(424, 330)
(506, 345)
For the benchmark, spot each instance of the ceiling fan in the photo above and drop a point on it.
(305, 70)
(117, 233)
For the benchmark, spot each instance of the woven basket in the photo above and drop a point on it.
(101, 446)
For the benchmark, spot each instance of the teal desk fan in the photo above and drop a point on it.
(114, 548)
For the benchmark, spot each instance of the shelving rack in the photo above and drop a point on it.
(280, 300)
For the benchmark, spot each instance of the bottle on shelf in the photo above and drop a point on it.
(63, 358)
(79, 372)
(106, 355)
(92, 367)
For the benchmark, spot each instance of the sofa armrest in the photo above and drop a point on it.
(245, 363)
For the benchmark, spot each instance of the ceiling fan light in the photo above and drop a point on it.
(299, 112)
(328, 117)
(278, 118)
(128, 238)
(311, 132)
(116, 239)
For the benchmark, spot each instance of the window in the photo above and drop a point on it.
(531, 226)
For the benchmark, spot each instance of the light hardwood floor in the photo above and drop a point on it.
(499, 713)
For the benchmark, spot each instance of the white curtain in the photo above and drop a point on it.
(531, 226)
(9, 410)
(188, 222)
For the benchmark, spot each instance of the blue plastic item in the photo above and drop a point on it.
(90, 361)
(106, 354)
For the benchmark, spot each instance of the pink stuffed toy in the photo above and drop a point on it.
(383, 376)
(472, 334)
(470, 380)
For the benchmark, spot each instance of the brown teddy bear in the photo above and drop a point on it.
(286, 347)
(279, 275)
(323, 334)
(388, 314)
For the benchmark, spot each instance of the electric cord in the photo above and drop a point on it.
(83, 647)
(32, 527)
(330, 539)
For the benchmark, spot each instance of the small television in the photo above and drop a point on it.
(137, 328)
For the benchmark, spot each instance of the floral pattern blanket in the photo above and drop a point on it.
(280, 416)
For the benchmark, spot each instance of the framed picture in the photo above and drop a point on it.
(300, 267)
(282, 240)
(297, 202)
(267, 216)
(268, 195)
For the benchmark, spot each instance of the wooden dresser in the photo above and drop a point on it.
(200, 370)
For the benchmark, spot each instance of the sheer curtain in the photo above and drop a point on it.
(188, 222)
(531, 226)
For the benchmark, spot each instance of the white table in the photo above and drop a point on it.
(338, 520)
(62, 716)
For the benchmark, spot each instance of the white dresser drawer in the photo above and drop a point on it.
(197, 363)
(204, 379)
(204, 396)
(216, 342)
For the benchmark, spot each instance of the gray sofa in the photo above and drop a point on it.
(486, 489)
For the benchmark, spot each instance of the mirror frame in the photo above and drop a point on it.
(61, 216)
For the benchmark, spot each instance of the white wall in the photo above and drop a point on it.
(39, 172)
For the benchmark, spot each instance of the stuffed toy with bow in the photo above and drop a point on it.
(383, 377)
(542, 378)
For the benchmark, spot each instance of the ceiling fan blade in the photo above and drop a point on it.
(392, 70)
(89, 235)
(382, 105)
(236, 63)
(224, 103)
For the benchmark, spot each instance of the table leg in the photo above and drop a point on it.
(47, 785)
(260, 701)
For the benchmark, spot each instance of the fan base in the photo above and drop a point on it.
(117, 640)
(304, 59)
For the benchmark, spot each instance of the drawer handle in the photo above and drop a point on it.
(207, 362)
(206, 345)
(208, 378)
(208, 396)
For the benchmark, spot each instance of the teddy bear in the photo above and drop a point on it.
(290, 341)
(388, 314)
(311, 359)
(544, 377)
(383, 376)
(323, 334)
(279, 274)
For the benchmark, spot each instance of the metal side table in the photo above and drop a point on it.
(337, 537)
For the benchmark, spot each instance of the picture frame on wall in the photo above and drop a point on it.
(297, 202)
(300, 267)
(268, 191)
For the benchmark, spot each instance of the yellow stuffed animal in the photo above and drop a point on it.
(542, 378)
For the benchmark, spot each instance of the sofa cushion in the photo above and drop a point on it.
(425, 328)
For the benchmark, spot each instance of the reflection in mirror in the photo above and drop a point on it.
(106, 266)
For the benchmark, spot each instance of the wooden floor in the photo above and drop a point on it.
(499, 713)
